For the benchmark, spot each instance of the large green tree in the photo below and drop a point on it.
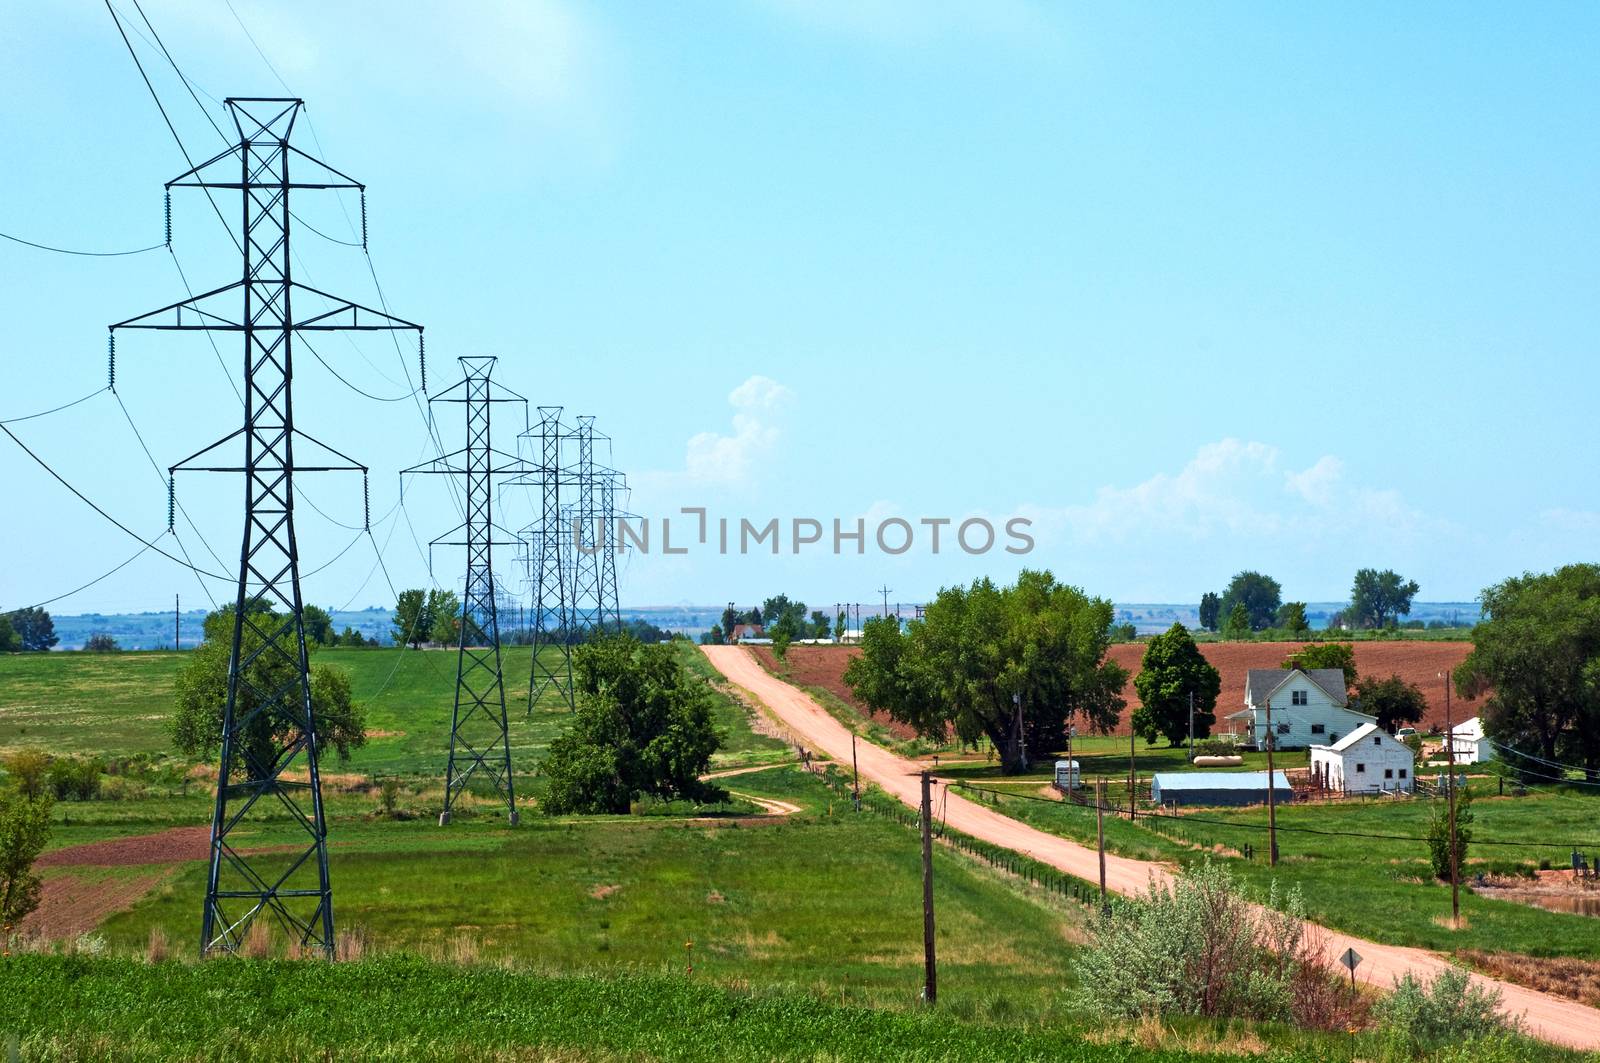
(1173, 668)
(1292, 618)
(413, 624)
(9, 642)
(1340, 655)
(1537, 656)
(444, 612)
(1378, 599)
(1259, 594)
(202, 697)
(1210, 611)
(24, 829)
(643, 728)
(319, 625)
(35, 630)
(1393, 701)
(1236, 626)
(984, 653)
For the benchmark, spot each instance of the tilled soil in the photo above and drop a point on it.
(174, 845)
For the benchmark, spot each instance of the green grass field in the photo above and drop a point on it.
(1370, 886)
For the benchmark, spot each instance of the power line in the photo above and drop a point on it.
(92, 505)
(72, 251)
(57, 409)
(140, 553)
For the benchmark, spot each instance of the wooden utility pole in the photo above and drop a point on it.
(1133, 782)
(1100, 833)
(1272, 794)
(855, 770)
(1455, 850)
(1191, 727)
(930, 978)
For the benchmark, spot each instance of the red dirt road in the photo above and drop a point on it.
(1415, 661)
(1548, 1017)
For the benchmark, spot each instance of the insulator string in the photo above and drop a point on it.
(111, 360)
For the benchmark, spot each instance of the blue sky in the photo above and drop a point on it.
(1193, 287)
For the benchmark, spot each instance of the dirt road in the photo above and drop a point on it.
(1548, 1017)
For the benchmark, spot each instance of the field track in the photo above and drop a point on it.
(1550, 1018)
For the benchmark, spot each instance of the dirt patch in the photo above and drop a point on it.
(600, 893)
(1564, 976)
(70, 905)
(171, 846)
(823, 666)
(1414, 661)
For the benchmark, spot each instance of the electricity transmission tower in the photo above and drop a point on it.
(269, 734)
(479, 742)
(547, 557)
(611, 484)
(586, 592)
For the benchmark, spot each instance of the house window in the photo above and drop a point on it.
(1402, 773)
(1283, 728)
(1377, 741)
(1361, 769)
(1318, 728)
(1298, 698)
(1388, 773)
(1334, 737)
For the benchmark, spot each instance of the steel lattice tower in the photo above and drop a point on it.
(547, 567)
(612, 485)
(479, 742)
(585, 553)
(269, 730)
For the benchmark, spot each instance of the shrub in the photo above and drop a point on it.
(75, 778)
(1199, 947)
(100, 642)
(24, 828)
(389, 794)
(1439, 833)
(28, 771)
(1452, 1010)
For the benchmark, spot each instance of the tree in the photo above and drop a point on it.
(1173, 669)
(445, 610)
(319, 625)
(1537, 656)
(1378, 599)
(1210, 610)
(1393, 701)
(100, 642)
(714, 637)
(27, 769)
(24, 830)
(730, 617)
(820, 627)
(1237, 626)
(352, 638)
(841, 627)
(780, 643)
(412, 621)
(643, 728)
(9, 642)
(977, 648)
(1292, 617)
(1260, 595)
(35, 630)
(1439, 833)
(202, 696)
(1340, 655)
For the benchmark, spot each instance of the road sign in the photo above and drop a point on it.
(1350, 959)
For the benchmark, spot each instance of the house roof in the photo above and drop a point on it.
(1263, 683)
(742, 630)
(1360, 735)
(1219, 780)
(1467, 729)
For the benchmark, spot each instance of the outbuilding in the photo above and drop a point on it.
(1218, 787)
(1468, 742)
(1068, 777)
(1368, 760)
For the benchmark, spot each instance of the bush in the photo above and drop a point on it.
(100, 642)
(24, 828)
(1198, 947)
(28, 770)
(1453, 1010)
(389, 794)
(75, 778)
(1439, 833)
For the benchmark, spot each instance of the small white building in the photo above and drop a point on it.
(1068, 776)
(1308, 708)
(1368, 760)
(1468, 742)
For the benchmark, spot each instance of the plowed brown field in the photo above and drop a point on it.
(1416, 662)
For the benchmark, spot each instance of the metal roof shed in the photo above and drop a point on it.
(1217, 787)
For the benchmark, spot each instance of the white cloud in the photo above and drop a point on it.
(1239, 490)
(728, 459)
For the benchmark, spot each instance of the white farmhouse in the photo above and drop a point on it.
(1367, 760)
(1308, 708)
(1469, 743)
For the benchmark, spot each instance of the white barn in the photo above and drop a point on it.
(1368, 760)
(1308, 708)
(1468, 742)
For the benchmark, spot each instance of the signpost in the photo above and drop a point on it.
(1351, 959)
